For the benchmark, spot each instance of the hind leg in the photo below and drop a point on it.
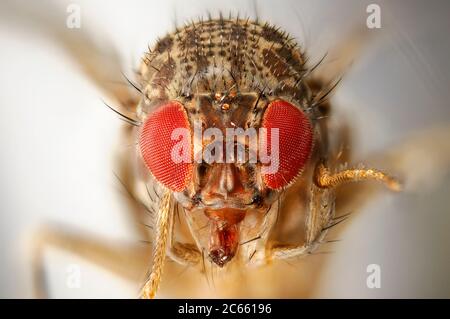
(125, 260)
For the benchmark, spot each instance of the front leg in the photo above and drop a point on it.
(319, 220)
(325, 179)
(321, 211)
(183, 253)
(125, 260)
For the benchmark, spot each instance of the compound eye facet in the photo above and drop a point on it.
(165, 145)
(294, 143)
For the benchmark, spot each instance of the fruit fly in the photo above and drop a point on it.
(233, 74)
(218, 89)
(230, 125)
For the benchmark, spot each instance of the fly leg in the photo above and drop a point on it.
(322, 208)
(183, 253)
(101, 64)
(126, 260)
(325, 179)
(319, 220)
(159, 254)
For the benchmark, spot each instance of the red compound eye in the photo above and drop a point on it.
(165, 144)
(295, 142)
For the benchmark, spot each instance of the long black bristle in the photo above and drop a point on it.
(123, 116)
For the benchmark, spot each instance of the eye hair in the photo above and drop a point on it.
(339, 220)
(260, 95)
(148, 209)
(251, 255)
(147, 225)
(131, 83)
(123, 117)
(149, 194)
(322, 98)
(250, 240)
(204, 270)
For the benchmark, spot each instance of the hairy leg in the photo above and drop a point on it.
(322, 207)
(159, 254)
(325, 179)
(183, 253)
(319, 220)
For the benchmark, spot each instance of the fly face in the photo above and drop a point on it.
(226, 191)
(231, 190)
(227, 157)
(226, 98)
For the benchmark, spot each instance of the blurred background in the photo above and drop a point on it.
(57, 140)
